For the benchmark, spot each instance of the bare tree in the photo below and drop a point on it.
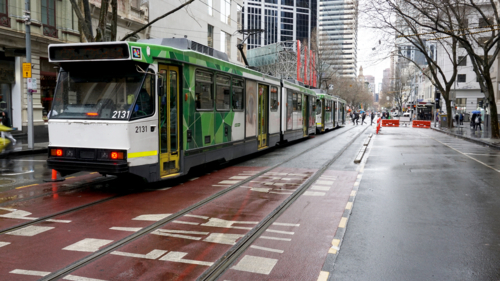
(449, 20)
(405, 23)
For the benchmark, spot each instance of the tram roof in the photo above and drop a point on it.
(146, 52)
(300, 88)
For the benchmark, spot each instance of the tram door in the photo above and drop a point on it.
(169, 120)
(263, 111)
(305, 114)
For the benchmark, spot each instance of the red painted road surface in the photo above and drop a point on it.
(29, 253)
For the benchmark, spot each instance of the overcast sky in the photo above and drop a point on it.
(371, 60)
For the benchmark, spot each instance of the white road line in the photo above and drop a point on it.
(239, 177)
(285, 193)
(178, 257)
(30, 272)
(16, 174)
(467, 155)
(186, 222)
(223, 238)
(229, 182)
(321, 182)
(79, 278)
(30, 230)
(275, 238)
(286, 224)
(4, 244)
(131, 229)
(256, 264)
(154, 254)
(267, 249)
(321, 187)
(151, 217)
(162, 189)
(16, 214)
(60, 221)
(193, 179)
(313, 193)
(196, 216)
(216, 222)
(279, 231)
(176, 235)
(183, 231)
(225, 185)
(89, 245)
(482, 154)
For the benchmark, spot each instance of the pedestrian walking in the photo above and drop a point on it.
(6, 123)
(473, 121)
(356, 117)
(478, 121)
(352, 118)
(461, 118)
(456, 119)
(371, 117)
(363, 116)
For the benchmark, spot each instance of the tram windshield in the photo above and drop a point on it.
(104, 92)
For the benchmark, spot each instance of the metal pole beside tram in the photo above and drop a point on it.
(27, 21)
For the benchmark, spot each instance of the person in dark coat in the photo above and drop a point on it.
(356, 117)
(371, 117)
(461, 118)
(473, 121)
(363, 116)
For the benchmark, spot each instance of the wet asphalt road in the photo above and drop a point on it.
(23, 170)
(426, 209)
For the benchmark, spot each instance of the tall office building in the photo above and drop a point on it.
(338, 35)
(282, 20)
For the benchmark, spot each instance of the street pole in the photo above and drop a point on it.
(27, 21)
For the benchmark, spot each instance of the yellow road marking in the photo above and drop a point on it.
(348, 206)
(93, 173)
(353, 193)
(323, 276)
(69, 177)
(343, 223)
(26, 186)
(335, 246)
(356, 183)
(142, 154)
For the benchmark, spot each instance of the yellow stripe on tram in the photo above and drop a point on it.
(142, 154)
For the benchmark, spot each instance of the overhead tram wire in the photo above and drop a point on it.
(428, 33)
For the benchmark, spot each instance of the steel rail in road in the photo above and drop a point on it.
(148, 229)
(221, 265)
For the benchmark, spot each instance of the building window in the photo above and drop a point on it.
(210, 7)
(210, 36)
(4, 13)
(461, 78)
(225, 11)
(239, 18)
(462, 61)
(204, 97)
(49, 18)
(225, 43)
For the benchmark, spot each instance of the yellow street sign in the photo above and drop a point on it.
(26, 70)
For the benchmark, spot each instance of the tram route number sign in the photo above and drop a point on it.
(32, 84)
(26, 70)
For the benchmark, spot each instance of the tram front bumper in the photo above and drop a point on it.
(89, 166)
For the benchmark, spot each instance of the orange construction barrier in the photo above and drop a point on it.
(379, 122)
(390, 123)
(54, 178)
(421, 124)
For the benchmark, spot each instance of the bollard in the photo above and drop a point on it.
(54, 178)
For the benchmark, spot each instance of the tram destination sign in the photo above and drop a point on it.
(86, 52)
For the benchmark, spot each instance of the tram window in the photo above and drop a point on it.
(223, 94)
(274, 99)
(238, 95)
(145, 103)
(204, 95)
(295, 102)
(318, 106)
(299, 102)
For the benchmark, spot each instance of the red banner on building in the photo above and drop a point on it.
(298, 61)
(305, 66)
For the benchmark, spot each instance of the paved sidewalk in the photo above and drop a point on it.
(475, 135)
(21, 147)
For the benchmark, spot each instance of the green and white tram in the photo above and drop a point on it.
(330, 112)
(159, 107)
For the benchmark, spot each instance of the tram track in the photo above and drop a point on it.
(256, 230)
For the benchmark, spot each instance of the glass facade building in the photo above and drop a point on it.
(338, 32)
(282, 20)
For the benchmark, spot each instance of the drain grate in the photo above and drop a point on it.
(4, 181)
